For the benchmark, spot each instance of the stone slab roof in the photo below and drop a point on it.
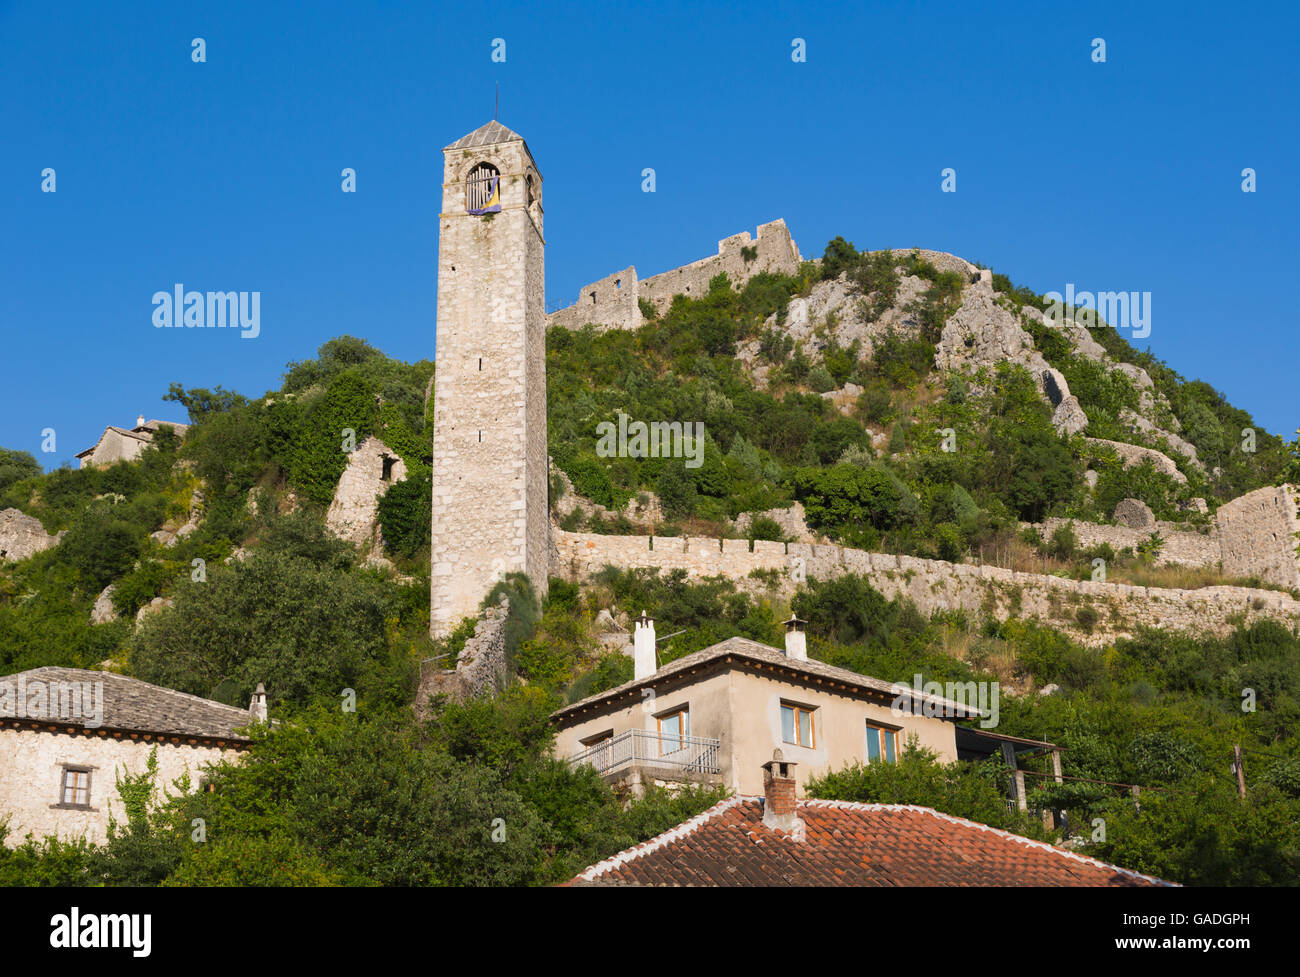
(488, 134)
(154, 425)
(144, 432)
(754, 651)
(130, 704)
(848, 844)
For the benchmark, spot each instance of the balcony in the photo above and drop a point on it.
(638, 756)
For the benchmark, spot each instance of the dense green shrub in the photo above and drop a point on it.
(406, 514)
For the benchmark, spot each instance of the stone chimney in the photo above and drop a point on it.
(643, 648)
(779, 811)
(257, 707)
(796, 640)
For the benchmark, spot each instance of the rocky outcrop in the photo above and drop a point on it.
(983, 333)
(22, 536)
(153, 607)
(1139, 425)
(1133, 454)
(354, 512)
(793, 522)
(104, 612)
(1135, 514)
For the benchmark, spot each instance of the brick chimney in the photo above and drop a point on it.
(779, 803)
(257, 707)
(796, 640)
(643, 647)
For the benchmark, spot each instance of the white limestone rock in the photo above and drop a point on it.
(104, 612)
(22, 536)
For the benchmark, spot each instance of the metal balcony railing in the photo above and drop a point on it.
(690, 754)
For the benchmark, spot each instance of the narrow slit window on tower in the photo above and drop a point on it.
(387, 473)
(482, 190)
(593, 298)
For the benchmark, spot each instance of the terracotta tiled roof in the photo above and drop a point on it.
(130, 704)
(743, 648)
(849, 845)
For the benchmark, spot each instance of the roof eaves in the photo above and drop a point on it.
(1009, 836)
(730, 646)
(659, 841)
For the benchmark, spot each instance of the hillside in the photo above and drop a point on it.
(905, 403)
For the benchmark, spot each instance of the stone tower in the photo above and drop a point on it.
(489, 444)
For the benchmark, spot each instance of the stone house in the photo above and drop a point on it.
(714, 716)
(67, 734)
(125, 444)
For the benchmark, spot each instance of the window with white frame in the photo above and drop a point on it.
(75, 787)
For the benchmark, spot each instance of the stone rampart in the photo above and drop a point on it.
(1180, 547)
(610, 303)
(1254, 535)
(613, 302)
(1092, 612)
(1257, 535)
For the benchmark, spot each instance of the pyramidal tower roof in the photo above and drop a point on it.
(486, 135)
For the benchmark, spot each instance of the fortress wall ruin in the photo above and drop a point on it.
(981, 591)
(1180, 547)
(1254, 535)
(610, 303)
(613, 301)
(1257, 535)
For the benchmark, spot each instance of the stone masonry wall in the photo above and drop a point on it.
(1257, 534)
(933, 584)
(354, 512)
(32, 762)
(1252, 536)
(612, 302)
(777, 252)
(1180, 547)
(480, 668)
(489, 448)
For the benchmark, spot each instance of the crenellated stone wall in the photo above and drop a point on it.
(982, 591)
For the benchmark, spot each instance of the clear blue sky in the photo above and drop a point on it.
(226, 175)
